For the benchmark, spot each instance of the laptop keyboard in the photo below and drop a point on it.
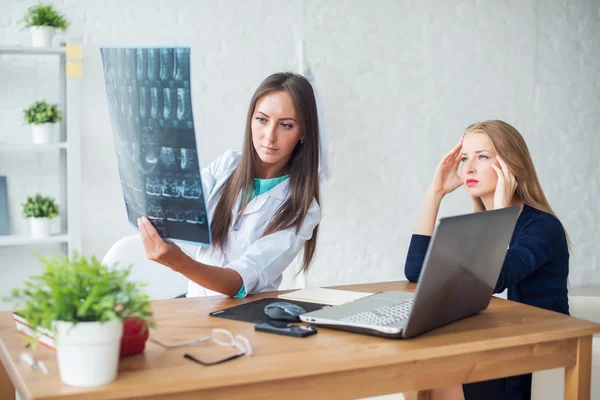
(385, 315)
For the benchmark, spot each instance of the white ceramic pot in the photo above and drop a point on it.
(41, 36)
(88, 352)
(43, 133)
(40, 227)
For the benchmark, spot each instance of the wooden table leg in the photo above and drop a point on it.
(420, 395)
(7, 389)
(578, 377)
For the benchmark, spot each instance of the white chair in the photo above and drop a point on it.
(550, 384)
(291, 279)
(163, 283)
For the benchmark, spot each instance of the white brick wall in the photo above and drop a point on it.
(398, 82)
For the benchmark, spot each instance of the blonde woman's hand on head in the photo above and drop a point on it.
(446, 178)
(506, 186)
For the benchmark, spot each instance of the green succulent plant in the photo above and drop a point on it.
(80, 289)
(41, 112)
(45, 15)
(39, 206)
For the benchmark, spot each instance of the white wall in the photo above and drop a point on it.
(398, 81)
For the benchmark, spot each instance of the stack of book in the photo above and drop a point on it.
(44, 336)
(133, 341)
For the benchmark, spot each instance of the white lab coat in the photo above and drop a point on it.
(260, 261)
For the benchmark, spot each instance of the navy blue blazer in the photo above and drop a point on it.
(535, 272)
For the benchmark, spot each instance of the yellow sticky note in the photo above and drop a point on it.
(74, 52)
(74, 69)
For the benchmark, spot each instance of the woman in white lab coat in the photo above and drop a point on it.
(263, 202)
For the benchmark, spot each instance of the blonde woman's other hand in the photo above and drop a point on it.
(506, 186)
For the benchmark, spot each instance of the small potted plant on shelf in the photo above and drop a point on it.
(83, 303)
(42, 117)
(43, 20)
(40, 210)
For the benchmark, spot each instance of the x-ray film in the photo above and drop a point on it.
(150, 106)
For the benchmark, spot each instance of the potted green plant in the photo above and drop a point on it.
(42, 117)
(40, 210)
(83, 304)
(43, 20)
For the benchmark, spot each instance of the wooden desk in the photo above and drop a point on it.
(506, 339)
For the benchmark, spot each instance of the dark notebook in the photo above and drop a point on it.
(255, 311)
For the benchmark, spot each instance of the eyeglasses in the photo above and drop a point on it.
(222, 337)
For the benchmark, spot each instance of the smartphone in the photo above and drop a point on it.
(285, 329)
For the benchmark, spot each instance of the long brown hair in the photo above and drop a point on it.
(303, 167)
(511, 146)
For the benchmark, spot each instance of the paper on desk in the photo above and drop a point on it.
(333, 297)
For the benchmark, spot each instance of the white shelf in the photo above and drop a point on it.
(24, 240)
(33, 146)
(32, 50)
(68, 151)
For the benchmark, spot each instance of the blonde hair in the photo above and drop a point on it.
(511, 146)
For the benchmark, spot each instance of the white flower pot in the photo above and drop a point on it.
(41, 36)
(43, 133)
(40, 227)
(88, 352)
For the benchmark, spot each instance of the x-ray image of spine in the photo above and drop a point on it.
(150, 107)
(174, 215)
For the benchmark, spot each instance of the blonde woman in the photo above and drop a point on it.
(498, 172)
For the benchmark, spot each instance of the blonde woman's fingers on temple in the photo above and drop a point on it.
(507, 171)
(498, 171)
(504, 166)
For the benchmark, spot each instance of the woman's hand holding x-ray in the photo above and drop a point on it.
(157, 249)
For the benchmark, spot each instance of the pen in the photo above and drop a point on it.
(43, 367)
(28, 359)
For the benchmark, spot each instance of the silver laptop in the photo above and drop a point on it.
(459, 274)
